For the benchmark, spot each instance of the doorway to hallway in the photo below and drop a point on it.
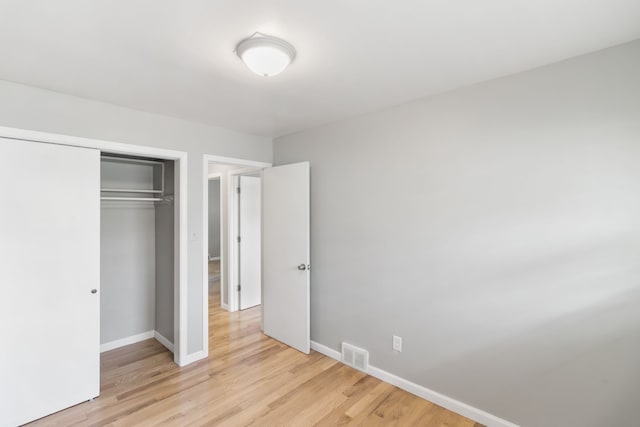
(234, 233)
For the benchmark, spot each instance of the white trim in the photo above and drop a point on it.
(137, 338)
(163, 340)
(234, 161)
(233, 217)
(473, 413)
(233, 224)
(224, 234)
(218, 176)
(126, 341)
(181, 261)
(206, 159)
(205, 261)
(447, 402)
(327, 351)
(76, 141)
(245, 170)
(194, 357)
(181, 275)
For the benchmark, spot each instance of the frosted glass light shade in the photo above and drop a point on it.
(265, 55)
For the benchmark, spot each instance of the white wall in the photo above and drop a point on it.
(37, 109)
(496, 228)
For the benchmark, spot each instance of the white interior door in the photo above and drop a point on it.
(50, 263)
(285, 254)
(249, 228)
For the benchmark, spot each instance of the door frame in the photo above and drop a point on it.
(211, 177)
(224, 256)
(233, 223)
(237, 255)
(180, 355)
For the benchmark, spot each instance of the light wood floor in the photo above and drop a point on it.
(248, 380)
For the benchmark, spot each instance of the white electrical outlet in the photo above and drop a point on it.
(397, 343)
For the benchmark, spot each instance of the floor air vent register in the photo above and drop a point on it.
(355, 357)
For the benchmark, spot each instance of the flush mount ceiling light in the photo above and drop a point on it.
(265, 55)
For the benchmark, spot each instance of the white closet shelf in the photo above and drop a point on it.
(154, 194)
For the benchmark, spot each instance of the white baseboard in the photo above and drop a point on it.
(447, 402)
(215, 258)
(225, 306)
(164, 341)
(327, 351)
(193, 357)
(137, 338)
(126, 341)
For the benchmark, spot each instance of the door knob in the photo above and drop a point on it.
(94, 291)
(302, 267)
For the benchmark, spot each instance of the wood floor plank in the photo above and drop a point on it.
(249, 379)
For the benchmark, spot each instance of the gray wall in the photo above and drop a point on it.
(496, 228)
(214, 218)
(127, 256)
(31, 108)
(165, 259)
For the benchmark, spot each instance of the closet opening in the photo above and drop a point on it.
(138, 225)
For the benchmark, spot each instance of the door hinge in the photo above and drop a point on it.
(238, 288)
(239, 239)
(238, 190)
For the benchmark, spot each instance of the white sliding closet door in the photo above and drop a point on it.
(49, 278)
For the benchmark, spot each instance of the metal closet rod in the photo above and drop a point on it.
(134, 199)
(128, 160)
(128, 190)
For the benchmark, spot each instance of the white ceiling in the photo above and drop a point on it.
(176, 57)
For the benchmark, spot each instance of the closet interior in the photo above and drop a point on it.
(137, 259)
